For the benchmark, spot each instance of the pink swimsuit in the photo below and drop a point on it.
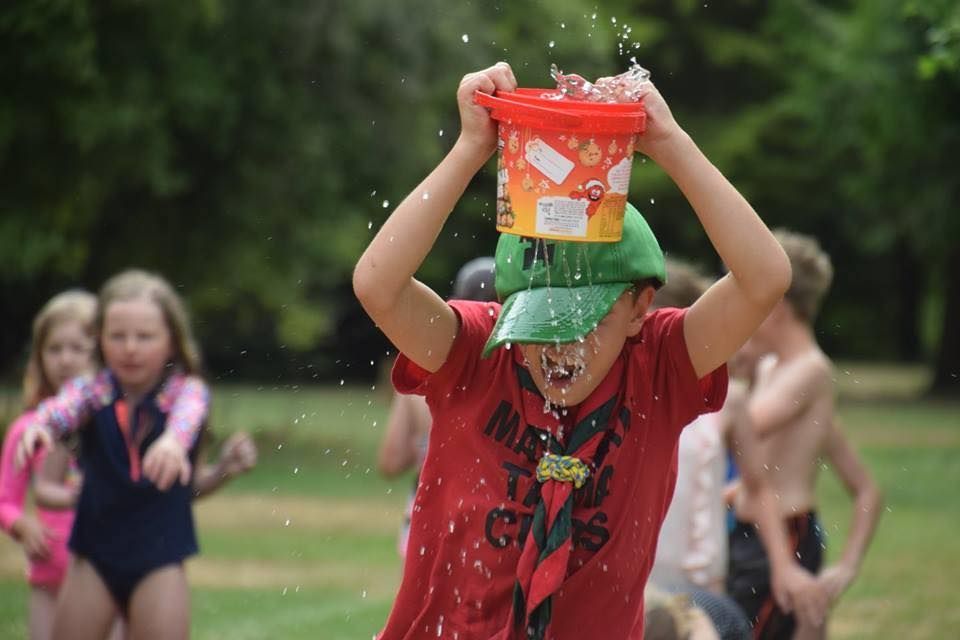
(14, 484)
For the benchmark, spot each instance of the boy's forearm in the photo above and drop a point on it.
(866, 515)
(740, 237)
(405, 239)
(773, 531)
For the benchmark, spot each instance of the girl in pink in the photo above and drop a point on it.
(62, 348)
(138, 422)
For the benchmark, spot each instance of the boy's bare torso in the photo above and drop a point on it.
(789, 448)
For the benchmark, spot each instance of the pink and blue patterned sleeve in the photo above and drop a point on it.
(77, 400)
(186, 399)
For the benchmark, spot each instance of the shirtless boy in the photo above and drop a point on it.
(788, 424)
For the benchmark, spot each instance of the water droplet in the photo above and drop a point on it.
(370, 224)
(551, 44)
(426, 195)
(465, 38)
(385, 204)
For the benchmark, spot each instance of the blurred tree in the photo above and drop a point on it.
(872, 98)
(249, 150)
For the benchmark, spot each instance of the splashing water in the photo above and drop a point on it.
(626, 87)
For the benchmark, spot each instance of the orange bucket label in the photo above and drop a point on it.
(558, 185)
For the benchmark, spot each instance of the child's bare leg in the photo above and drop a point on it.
(808, 632)
(119, 630)
(43, 604)
(160, 606)
(85, 608)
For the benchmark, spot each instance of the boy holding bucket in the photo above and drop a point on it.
(556, 416)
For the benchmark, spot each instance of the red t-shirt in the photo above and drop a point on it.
(477, 490)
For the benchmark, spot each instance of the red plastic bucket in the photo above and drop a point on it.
(563, 168)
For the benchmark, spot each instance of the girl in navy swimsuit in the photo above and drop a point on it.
(140, 418)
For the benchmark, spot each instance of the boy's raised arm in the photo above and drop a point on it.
(728, 313)
(415, 319)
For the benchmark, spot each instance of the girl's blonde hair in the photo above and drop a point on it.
(135, 284)
(74, 305)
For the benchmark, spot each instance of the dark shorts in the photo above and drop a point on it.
(748, 577)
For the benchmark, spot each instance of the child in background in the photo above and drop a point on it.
(692, 547)
(697, 616)
(61, 349)
(787, 420)
(404, 442)
(569, 385)
(141, 417)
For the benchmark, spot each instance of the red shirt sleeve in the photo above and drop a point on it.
(675, 380)
(476, 320)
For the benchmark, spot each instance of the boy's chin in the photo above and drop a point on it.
(566, 395)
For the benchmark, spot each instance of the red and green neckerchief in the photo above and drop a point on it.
(546, 551)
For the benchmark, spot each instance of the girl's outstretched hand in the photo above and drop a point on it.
(238, 454)
(166, 461)
(477, 128)
(34, 437)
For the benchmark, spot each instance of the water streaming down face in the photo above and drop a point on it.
(565, 362)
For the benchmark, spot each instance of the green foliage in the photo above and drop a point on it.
(249, 150)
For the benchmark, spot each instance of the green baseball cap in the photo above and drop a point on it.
(556, 291)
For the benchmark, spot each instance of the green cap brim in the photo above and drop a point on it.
(548, 315)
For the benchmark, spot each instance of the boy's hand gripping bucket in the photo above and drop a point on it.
(563, 167)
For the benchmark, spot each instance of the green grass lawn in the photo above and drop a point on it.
(304, 547)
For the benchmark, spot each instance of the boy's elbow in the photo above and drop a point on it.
(777, 278)
(362, 283)
(873, 497)
(365, 288)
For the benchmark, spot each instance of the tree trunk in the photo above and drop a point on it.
(946, 378)
(910, 290)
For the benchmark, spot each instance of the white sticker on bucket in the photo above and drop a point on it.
(619, 176)
(548, 160)
(559, 216)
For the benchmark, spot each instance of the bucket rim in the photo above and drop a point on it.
(586, 117)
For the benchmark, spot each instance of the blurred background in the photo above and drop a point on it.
(248, 150)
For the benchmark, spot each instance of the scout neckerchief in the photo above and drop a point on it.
(546, 551)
